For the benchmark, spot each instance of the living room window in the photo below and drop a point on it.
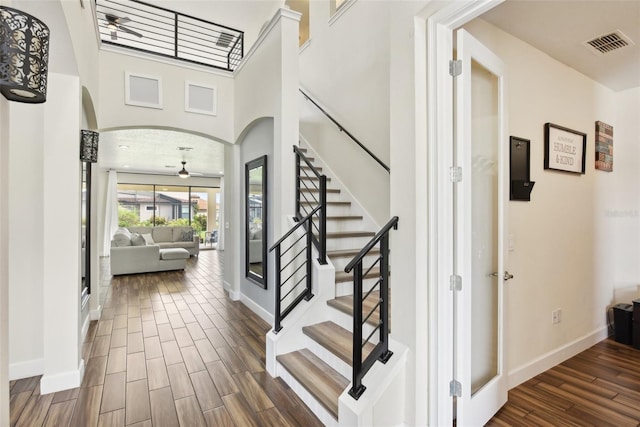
(168, 205)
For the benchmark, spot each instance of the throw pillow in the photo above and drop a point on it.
(121, 239)
(148, 239)
(137, 240)
(186, 236)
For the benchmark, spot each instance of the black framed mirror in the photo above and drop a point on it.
(85, 234)
(255, 178)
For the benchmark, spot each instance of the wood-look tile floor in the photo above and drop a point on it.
(598, 387)
(170, 349)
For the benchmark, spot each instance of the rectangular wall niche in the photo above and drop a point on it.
(200, 98)
(143, 90)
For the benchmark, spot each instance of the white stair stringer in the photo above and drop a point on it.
(382, 403)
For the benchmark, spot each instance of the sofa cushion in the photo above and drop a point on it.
(186, 236)
(140, 229)
(176, 245)
(174, 253)
(122, 239)
(148, 239)
(137, 240)
(163, 234)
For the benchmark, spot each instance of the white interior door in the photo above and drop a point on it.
(480, 224)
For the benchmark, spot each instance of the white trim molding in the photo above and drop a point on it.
(130, 77)
(29, 368)
(207, 93)
(62, 381)
(555, 357)
(264, 314)
(234, 294)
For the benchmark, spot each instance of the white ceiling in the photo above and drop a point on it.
(158, 151)
(559, 28)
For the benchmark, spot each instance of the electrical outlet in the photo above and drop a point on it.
(555, 316)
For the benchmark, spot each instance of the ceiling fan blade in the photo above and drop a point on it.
(128, 30)
(114, 35)
(116, 19)
(123, 20)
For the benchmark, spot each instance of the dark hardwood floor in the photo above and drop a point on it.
(598, 387)
(170, 349)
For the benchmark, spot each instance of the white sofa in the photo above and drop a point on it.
(135, 250)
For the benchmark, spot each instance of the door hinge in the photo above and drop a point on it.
(455, 388)
(455, 67)
(455, 173)
(455, 282)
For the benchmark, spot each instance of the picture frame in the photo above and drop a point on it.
(604, 147)
(564, 149)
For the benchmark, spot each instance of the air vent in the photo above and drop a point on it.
(185, 148)
(224, 40)
(608, 42)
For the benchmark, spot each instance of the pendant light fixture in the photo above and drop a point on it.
(183, 173)
(24, 56)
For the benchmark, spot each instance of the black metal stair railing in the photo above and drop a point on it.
(346, 132)
(170, 34)
(381, 350)
(311, 193)
(294, 262)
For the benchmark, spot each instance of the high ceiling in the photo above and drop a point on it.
(558, 28)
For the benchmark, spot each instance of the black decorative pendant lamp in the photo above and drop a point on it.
(24, 56)
(183, 172)
(89, 146)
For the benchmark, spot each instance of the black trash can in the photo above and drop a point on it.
(623, 322)
(636, 324)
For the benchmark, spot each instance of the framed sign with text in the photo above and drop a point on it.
(564, 149)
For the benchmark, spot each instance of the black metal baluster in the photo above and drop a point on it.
(278, 309)
(323, 221)
(357, 388)
(308, 293)
(384, 296)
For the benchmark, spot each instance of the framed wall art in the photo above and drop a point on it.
(604, 147)
(564, 149)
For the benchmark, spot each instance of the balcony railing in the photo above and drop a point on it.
(169, 34)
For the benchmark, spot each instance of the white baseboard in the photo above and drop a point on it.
(62, 381)
(233, 294)
(85, 327)
(30, 368)
(96, 314)
(555, 357)
(264, 314)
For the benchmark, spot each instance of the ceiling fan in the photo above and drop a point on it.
(114, 23)
(184, 173)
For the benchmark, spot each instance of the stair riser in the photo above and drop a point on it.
(346, 288)
(320, 411)
(328, 357)
(341, 262)
(312, 197)
(346, 321)
(347, 243)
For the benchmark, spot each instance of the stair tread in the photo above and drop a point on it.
(344, 217)
(320, 379)
(307, 167)
(335, 203)
(349, 253)
(345, 305)
(314, 178)
(339, 234)
(341, 276)
(336, 339)
(315, 190)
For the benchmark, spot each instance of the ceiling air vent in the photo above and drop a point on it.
(608, 42)
(185, 148)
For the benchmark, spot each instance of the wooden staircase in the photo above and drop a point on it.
(317, 370)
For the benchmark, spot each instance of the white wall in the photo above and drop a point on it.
(4, 262)
(266, 86)
(564, 255)
(345, 67)
(26, 208)
(114, 113)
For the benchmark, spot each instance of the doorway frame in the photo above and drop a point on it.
(434, 28)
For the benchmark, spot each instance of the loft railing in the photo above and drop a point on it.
(380, 306)
(346, 132)
(170, 34)
(311, 193)
(294, 262)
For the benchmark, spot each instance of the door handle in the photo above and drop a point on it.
(507, 275)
